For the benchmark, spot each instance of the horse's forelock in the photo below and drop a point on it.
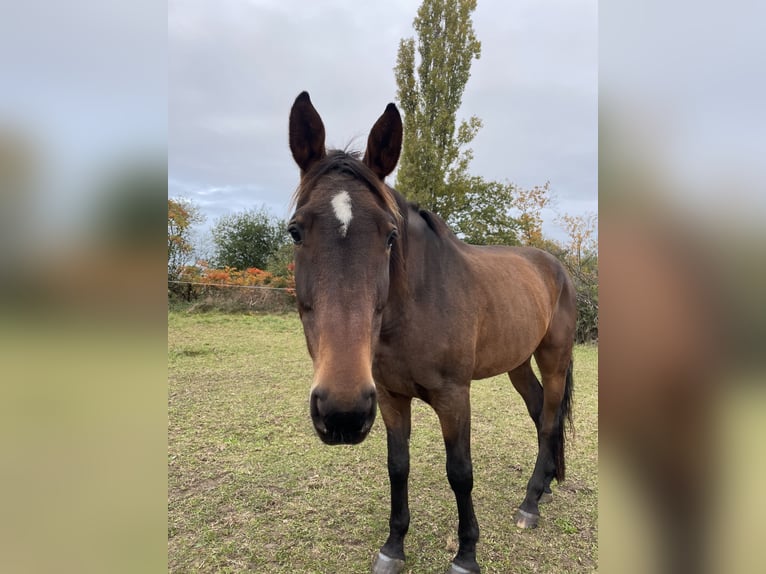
(348, 162)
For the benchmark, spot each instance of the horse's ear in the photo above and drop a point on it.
(306, 133)
(385, 143)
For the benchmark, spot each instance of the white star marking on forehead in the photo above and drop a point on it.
(341, 205)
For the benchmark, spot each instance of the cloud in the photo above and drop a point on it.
(236, 67)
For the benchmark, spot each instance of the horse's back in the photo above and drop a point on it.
(534, 275)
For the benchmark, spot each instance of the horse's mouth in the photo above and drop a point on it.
(335, 438)
(344, 433)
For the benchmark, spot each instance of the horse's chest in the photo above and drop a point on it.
(415, 370)
(392, 370)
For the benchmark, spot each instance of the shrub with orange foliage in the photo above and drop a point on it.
(229, 276)
(232, 289)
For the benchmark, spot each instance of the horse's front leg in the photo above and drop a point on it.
(396, 412)
(454, 413)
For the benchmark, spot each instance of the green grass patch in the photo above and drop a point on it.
(251, 488)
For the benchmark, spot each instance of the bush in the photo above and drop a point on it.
(231, 290)
(583, 269)
(247, 239)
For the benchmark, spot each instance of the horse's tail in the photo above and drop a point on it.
(564, 421)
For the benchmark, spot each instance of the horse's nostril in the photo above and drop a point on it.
(318, 400)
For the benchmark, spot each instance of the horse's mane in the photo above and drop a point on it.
(434, 222)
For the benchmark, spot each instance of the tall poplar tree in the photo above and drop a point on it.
(433, 169)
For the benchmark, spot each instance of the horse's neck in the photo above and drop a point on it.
(431, 256)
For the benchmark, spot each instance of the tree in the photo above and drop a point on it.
(434, 161)
(530, 203)
(487, 219)
(581, 231)
(182, 214)
(581, 258)
(247, 239)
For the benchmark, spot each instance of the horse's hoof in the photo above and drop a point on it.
(382, 564)
(526, 519)
(455, 569)
(545, 498)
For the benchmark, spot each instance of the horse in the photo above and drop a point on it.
(395, 306)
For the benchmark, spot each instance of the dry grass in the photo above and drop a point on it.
(250, 488)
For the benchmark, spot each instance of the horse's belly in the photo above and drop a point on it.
(496, 365)
(503, 345)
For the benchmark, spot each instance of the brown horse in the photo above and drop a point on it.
(394, 307)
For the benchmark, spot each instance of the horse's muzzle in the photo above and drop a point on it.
(342, 425)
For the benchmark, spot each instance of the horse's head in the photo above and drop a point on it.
(345, 228)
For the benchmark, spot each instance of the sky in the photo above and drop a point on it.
(236, 66)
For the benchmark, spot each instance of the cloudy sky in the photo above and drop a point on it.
(235, 67)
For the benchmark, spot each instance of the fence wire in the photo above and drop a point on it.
(232, 285)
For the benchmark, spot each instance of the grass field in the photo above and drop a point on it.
(251, 488)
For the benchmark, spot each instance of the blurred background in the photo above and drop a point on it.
(83, 184)
(682, 324)
(83, 123)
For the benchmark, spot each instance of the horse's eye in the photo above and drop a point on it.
(295, 233)
(391, 238)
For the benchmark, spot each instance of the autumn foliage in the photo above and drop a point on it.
(181, 215)
(225, 287)
(232, 289)
(202, 273)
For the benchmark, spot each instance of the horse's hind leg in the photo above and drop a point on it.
(528, 386)
(525, 382)
(555, 366)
